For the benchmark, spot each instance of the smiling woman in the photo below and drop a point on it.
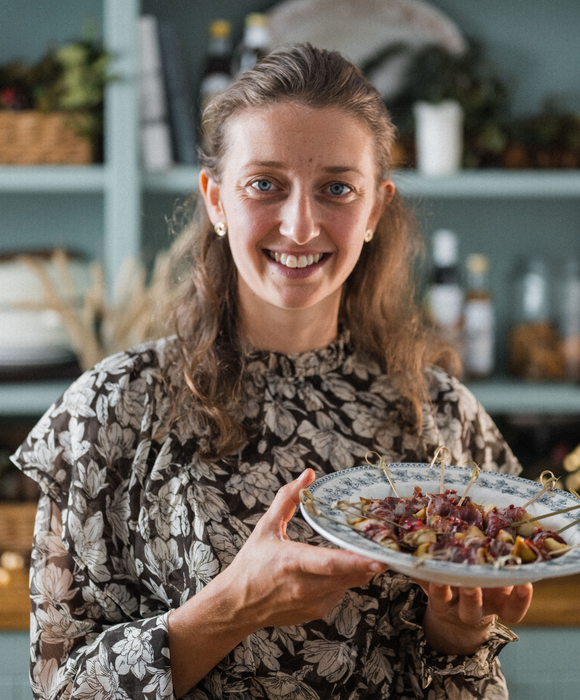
(295, 231)
(166, 558)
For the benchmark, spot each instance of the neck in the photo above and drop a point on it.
(289, 331)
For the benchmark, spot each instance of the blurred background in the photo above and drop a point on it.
(99, 125)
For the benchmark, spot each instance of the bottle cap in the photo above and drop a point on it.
(256, 19)
(220, 28)
(477, 263)
(444, 248)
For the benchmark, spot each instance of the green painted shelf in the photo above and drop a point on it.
(52, 178)
(498, 396)
(465, 184)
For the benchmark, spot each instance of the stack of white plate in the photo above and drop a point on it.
(33, 336)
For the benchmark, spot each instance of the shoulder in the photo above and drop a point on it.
(465, 427)
(445, 389)
(99, 418)
(125, 374)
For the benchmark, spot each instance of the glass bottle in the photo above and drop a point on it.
(445, 296)
(479, 319)
(256, 42)
(217, 70)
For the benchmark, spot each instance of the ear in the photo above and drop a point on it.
(210, 191)
(385, 194)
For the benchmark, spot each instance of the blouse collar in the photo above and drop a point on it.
(303, 364)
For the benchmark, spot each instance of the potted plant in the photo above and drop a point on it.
(435, 76)
(52, 111)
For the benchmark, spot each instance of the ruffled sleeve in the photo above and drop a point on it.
(90, 635)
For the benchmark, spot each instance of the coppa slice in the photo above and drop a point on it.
(436, 526)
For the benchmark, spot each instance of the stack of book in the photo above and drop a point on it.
(168, 108)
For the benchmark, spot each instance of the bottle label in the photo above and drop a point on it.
(479, 336)
(445, 301)
(215, 83)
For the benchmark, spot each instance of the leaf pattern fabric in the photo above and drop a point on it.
(131, 525)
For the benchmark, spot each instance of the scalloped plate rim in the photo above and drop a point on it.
(455, 574)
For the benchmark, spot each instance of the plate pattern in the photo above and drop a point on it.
(500, 489)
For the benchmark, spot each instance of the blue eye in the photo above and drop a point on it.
(338, 188)
(262, 185)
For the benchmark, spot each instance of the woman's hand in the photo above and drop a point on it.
(277, 582)
(271, 582)
(458, 620)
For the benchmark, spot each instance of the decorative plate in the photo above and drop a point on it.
(361, 28)
(500, 489)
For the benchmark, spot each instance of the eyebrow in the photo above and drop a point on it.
(333, 169)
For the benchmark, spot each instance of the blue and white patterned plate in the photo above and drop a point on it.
(499, 489)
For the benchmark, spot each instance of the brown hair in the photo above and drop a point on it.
(378, 301)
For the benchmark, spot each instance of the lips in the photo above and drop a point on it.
(294, 261)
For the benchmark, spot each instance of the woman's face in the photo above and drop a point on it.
(298, 191)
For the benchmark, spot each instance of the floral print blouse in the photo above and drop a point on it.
(130, 525)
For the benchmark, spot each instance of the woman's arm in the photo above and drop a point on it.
(83, 640)
(271, 582)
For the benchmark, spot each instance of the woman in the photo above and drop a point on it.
(166, 560)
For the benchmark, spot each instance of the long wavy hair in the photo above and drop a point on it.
(378, 304)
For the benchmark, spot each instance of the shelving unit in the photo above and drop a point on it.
(105, 209)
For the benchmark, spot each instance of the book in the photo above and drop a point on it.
(180, 101)
(155, 135)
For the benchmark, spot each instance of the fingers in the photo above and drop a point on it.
(511, 604)
(337, 563)
(284, 504)
(464, 604)
(471, 605)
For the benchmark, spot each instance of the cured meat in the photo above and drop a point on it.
(445, 526)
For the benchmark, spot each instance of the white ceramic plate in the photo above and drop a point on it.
(499, 489)
(360, 28)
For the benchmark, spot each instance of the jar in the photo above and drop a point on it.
(569, 318)
(535, 346)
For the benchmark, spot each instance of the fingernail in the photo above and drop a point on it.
(375, 567)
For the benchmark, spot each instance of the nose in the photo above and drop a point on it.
(298, 220)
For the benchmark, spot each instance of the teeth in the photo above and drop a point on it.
(293, 261)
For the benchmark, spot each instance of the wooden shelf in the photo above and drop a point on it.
(555, 603)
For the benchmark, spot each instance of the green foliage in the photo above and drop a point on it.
(69, 78)
(434, 74)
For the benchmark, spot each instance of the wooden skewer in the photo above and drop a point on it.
(382, 465)
(574, 522)
(532, 519)
(443, 453)
(474, 475)
(548, 486)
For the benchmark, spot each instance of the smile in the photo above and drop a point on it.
(295, 260)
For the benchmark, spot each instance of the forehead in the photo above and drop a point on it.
(290, 131)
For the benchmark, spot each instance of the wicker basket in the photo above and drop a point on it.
(16, 526)
(34, 138)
